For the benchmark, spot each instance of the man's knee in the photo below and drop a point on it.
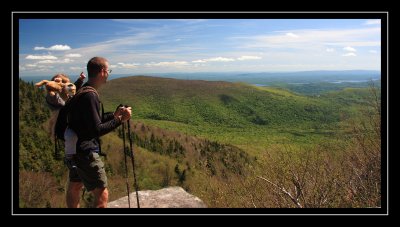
(101, 193)
(75, 186)
(105, 194)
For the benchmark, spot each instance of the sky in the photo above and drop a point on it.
(143, 46)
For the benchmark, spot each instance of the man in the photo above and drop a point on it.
(86, 120)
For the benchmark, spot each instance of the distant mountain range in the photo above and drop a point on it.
(262, 78)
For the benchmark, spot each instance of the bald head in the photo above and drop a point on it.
(95, 65)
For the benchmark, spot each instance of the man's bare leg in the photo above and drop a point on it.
(100, 197)
(73, 194)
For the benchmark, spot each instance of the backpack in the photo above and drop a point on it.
(62, 118)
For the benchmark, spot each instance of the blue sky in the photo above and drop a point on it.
(143, 46)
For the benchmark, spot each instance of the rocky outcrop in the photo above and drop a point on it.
(172, 197)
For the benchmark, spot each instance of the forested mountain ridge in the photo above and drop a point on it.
(217, 103)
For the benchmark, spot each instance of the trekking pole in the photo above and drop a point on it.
(133, 162)
(126, 166)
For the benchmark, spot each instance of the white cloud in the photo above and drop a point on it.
(75, 68)
(59, 47)
(36, 68)
(54, 47)
(41, 57)
(47, 62)
(243, 58)
(372, 22)
(350, 49)
(219, 59)
(73, 55)
(290, 34)
(66, 60)
(313, 39)
(216, 59)
(158, 20)
(127, 65)
(109, 47)
(199, 61)
(45, 66)
(223, 59)
(39, 48)
(349, 55)
(373, 51)
(168, 64)
(330, 50)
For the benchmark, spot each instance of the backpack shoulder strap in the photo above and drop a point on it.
(84, 90)
(80, 92)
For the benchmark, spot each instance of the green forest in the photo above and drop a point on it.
(230, 144)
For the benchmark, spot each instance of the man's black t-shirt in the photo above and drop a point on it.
(85, 119)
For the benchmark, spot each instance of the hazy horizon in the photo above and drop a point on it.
(258, 78)
(227, 72)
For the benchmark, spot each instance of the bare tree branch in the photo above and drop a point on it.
(282, 189)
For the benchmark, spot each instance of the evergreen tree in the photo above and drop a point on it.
(177, 171)
(182, 177)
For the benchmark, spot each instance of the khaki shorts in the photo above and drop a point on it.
(89, 170)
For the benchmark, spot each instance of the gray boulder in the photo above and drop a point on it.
(172, 197)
